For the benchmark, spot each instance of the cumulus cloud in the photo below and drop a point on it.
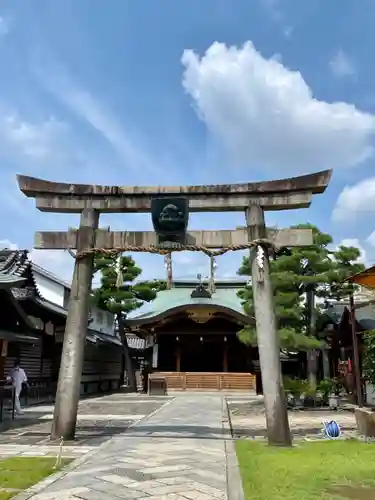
(356, 200)
(341, 65)
(267, 116)
(39, 141)
(354, 242)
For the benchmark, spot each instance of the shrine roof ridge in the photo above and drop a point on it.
(315, 183)
(13, 267)
(169, 302)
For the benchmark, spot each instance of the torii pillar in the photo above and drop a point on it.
(253, 198)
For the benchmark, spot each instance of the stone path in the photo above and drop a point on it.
(177, 453)
(99, 419)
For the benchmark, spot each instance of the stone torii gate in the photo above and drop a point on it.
(252, 198)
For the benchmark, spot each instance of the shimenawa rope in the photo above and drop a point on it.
(166, 248)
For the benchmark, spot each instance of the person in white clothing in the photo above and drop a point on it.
(18, 377)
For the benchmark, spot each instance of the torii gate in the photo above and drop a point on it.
(252, 198)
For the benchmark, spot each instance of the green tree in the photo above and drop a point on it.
(293, 273)
(369, 356)
(345, 263)
(119, 294)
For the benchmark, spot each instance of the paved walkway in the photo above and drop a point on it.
(177, 453)
(99, 419)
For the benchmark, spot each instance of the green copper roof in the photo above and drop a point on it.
(224, 297)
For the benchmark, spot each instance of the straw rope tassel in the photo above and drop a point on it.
(120, 276)
(59, 455)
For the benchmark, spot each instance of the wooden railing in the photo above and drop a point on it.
(185, 381)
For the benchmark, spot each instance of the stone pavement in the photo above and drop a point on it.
(176, 453)
(99, 419)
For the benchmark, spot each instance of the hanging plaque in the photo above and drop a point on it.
(170, 217)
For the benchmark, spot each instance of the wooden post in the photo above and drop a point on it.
(3, 356)
(212, 286)
(129, 364)
(326, 365)
(312, 359)
(178, 357)
(357, 368)
(168, 265)
(225, 357)
(278, 431)
(68, 388)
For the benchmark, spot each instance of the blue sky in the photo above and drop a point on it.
(188, 92)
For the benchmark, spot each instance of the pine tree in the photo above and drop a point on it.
(119, 294)
(346, 263)
(292, 274)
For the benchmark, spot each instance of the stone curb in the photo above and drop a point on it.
(44, 483)
(234, 481)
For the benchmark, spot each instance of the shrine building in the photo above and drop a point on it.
(192, 331)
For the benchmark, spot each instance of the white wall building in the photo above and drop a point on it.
(57, 291)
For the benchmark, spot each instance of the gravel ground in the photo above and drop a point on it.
(248, 421)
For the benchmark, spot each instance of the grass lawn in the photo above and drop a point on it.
(21, 473)
(308, 471)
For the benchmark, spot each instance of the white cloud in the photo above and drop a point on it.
(356, 200)
(39, 141)
(55, 78)
(57, 262)
(7, 245)
(190, 264)
(341, 65)
(273, 9)
(354, 242)
(267, 116)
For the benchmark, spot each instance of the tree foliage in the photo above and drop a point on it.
(292, 273)
(119, 295)
(120, 298)
(369, 356)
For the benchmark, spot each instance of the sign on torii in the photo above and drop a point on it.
(252, 198)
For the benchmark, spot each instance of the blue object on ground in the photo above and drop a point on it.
(332, 429)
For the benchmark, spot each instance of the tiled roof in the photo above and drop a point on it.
(364, 315)
(18, 337)
(94, 337)
(13, 267)
(51, 306)
(335, 311)
(225, 297)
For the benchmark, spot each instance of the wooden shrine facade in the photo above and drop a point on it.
(32, 332)
(193, 338)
